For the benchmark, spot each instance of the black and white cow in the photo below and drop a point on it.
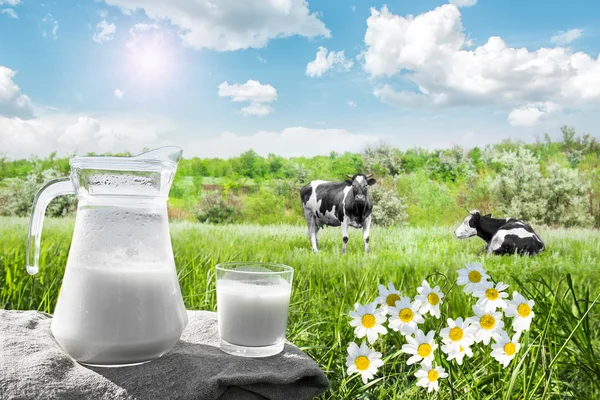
(502, 235)
(341, 204)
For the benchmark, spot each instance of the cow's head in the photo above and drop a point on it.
(468, 228)
(360, 185)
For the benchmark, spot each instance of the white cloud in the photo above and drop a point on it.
(531, 114)
(146, 33)
(563, 37)
(257, 109)
(142, 28)
(104, 32)
(10, 12)
(249, 91)
(463, 3)
(261, 60)
(10, 2)
(67, 133)
(13, 103)
(252, 91)
(351, 103)
(291, 142)
(118, 93)
(22, 133)
(432, 50)
(229, 25)
(49, 26)
(407, 99)
(323, 62)
(125, 11)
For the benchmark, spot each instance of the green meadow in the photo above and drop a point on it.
(559, 357)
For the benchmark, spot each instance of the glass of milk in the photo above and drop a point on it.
(253, 299)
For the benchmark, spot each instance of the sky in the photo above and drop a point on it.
(293, 77)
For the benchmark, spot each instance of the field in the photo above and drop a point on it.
(560, 357)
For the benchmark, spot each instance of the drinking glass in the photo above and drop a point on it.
(253, 299)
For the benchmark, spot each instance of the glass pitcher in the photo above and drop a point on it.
(120, 302)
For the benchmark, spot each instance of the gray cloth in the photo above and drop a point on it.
(33, 366)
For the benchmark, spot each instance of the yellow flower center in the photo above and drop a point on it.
(391, 299)
(523, 310)
(433, 299)
(487, 322)
(456, 334)
(433, 375)
(510, 349)
(368, 320)
(362, 363)
(406, 315)
(492, 294)
(475, 276)
(424, 350)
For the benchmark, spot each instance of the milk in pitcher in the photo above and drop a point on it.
(123, 315)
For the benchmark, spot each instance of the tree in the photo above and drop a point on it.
(383, 160)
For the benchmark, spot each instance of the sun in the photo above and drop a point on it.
(151, 61)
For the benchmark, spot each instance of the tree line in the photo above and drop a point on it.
(556, 183)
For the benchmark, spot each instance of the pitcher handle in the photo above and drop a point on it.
(49, 191)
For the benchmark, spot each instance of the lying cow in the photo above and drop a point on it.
(502, 235)
(341, 204)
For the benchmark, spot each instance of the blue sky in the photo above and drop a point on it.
(120, 75)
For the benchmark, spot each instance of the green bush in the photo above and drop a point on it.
(520, 190)
(264, 207)
(567, 201)
(216, 208)
(16, 198)
(452, 165)
(383, 160)
(388, 207)
(428, 202)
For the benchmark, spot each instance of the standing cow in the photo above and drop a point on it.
(341, 204)
(502, 235)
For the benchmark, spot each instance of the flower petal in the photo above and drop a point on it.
(371, 336)
(413, 359)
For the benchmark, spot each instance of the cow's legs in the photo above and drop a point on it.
(366, 231)
(344, 227)
(312, 229)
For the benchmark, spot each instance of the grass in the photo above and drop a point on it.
(560, 357)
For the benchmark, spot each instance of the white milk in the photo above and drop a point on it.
(252, 315)
(112, 315)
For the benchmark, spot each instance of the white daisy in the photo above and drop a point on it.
(367, 320)
(489, 325)
(421, 347)
(428, 376)
(521, 309)
(430, 299)
(405, 316)
(472, 276)
(458, 332)
(491, 297)
(457, 352)
(387, 296)
(505, 349)
(363, 360)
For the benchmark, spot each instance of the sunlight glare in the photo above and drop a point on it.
(151, 62)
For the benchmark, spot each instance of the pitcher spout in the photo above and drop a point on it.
(164, 154)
